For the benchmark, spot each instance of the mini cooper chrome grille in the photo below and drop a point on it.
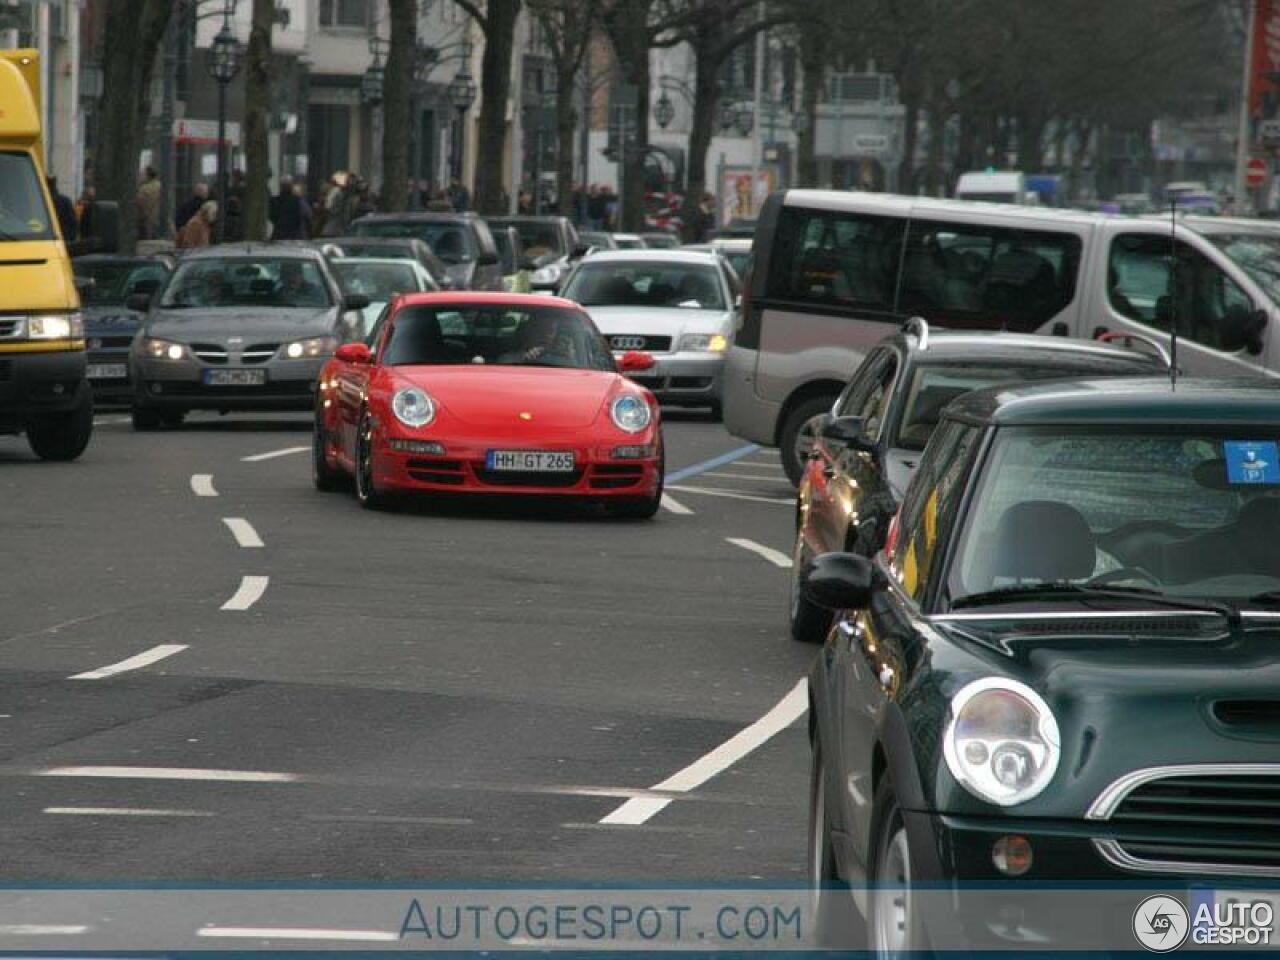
(1212, 819)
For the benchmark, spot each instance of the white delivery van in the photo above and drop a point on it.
(834, 271)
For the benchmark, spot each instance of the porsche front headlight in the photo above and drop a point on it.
(1002, 742)
(55, 326)
(630, 413)
(310, 349)
(413, 407)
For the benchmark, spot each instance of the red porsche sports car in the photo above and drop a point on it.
(488, 393)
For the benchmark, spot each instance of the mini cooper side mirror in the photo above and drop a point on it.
(138, 302)
(839, 581)
(635, 360)
(355, 301)
(848, 431)
(354, 353)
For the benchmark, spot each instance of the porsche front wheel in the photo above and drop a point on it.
(641, 508)
(325, 477)
(366, 490)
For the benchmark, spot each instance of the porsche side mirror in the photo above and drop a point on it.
(839, 581)
(635, 360)
(354, 353)
(138, 302)
(355, 301)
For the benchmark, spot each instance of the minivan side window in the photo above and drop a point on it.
(1138, 284)
(982, 276)
(835, 258)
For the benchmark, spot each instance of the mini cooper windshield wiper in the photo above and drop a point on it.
(1082, 591)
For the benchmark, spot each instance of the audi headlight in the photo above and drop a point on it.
(55, 326)
(413, 407)
(1002, 742)
(630, 413)
(315, 347)
(705, 342)
(163, 349)
(548, 275)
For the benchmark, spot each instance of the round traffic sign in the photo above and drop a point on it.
(1255, 174)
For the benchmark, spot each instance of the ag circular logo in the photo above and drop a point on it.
(1161, 923)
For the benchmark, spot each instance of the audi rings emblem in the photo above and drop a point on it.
(627, 343)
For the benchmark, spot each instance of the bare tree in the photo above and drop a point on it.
(132, 36)
(397, 103)
(257, 113)
(568, 26)
(497, 20)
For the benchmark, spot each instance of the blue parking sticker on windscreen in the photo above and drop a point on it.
(1252, 461)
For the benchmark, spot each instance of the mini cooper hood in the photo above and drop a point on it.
(216, 325)
(497, 396)
(659, 321)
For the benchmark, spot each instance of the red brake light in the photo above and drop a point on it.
(892, 539)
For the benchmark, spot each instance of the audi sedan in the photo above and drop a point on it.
(244, 327)
(678, 306)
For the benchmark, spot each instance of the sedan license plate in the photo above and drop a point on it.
(107, 371)
(529, 461)
(235, 378)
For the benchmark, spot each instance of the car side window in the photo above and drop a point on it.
(985, 276)
(870, 391)
(931, 504)
(833, 257)
(1140, 278)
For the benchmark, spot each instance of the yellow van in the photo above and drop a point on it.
(43, 390)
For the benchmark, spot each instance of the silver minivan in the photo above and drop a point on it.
(835, 271)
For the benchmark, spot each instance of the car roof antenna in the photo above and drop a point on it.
(1173, 290)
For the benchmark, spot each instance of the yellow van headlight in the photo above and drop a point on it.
(55, 326)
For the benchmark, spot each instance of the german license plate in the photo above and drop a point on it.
(530, 461)
(235, 378)
(107, 371)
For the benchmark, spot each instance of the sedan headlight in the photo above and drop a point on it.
(630, 413)
(163, 349)
(413, 407)
(1002, 742)
(548, 275)
(315, 347)
(55, 326)
(705, 342)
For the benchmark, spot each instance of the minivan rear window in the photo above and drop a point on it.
(831, 257)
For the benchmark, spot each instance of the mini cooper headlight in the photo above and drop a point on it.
(314, 347)
(55, 326)
(1002, 742)
(630, 413)
(413, 407)
(163, 349)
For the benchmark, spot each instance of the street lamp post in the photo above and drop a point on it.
(462, 94)
(224, 65)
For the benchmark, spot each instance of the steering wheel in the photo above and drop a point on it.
(1121, 574)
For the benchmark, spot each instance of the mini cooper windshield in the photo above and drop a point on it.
(246, 282)
(1186, 514)
(506, 336)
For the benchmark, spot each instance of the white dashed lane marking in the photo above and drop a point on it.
(202, 485)
(124, 812)
(169, 773)
(272, 454)
(243, 531)
(674, 506)
(776, 557)
(144, 659)
(732, 495)
(248, 593)
(297, 933)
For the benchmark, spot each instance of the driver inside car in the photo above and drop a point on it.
(543, 340)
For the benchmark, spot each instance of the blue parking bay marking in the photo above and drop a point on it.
(676, 476)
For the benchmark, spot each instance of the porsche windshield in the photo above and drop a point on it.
(1189, 513)
(246, 282)
(495, 334)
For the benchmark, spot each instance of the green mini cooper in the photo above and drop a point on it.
(1065, 663)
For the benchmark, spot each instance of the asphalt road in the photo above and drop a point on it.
(445, 694)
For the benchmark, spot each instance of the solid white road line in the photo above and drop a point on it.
(733, 495)
(125, 812)
(749, 476)
(202, 485)
(675, 506)
(243, 531)
(272, 454)
(146, 658)
(297, 933)
(784, 713)
(170, 773)
(248, 593)
(42, 929)
(776, 557)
